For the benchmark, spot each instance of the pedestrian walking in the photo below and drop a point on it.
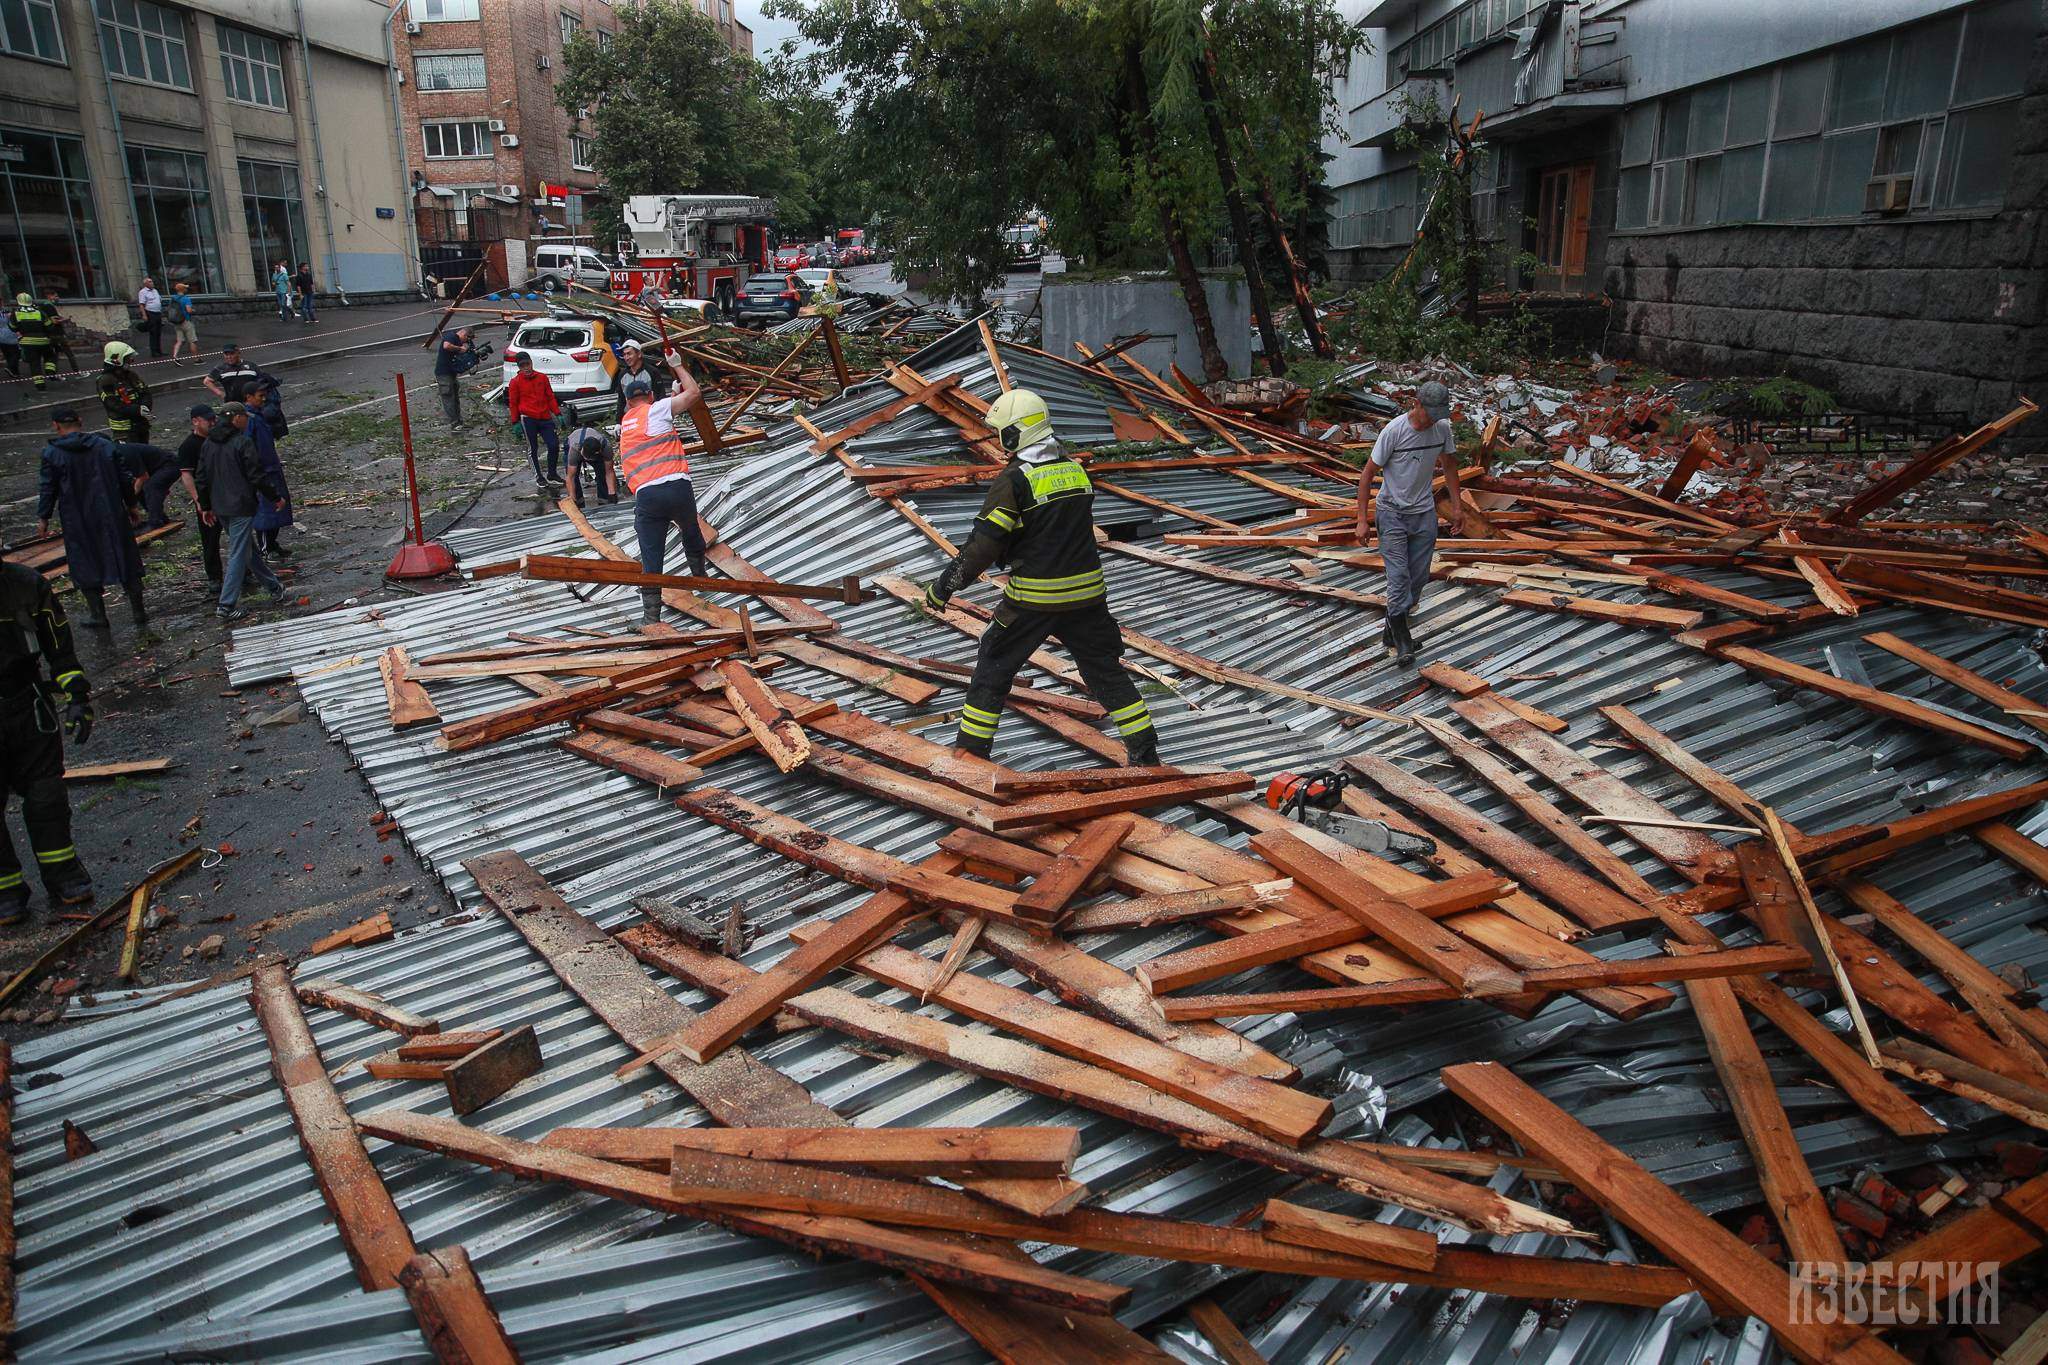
(82, 486)
(1407, 455)
(281, 285)
(59, 329)
(231, 379)
(10, 346)
(303, 282)
(32, 325)
(201, 423)
(151, 305)
(32, 727)
(123, 393)
(230, 480)
(589, 448)
(178, 311)
(1039, 518)
(457, 356)
(152, 472)
(273, 510)
(657, 470)
(533, 405)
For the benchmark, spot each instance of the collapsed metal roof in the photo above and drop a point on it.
(197, 1230)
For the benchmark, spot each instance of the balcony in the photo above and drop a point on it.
(1376, 122)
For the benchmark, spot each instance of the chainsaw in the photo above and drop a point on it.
(1312, 799)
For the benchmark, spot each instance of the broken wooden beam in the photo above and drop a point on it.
(1308, 1227)
(1075, 807)
(773, 726)
(1046, 898)
(364, 1005)
(580, 569)
(946, 1152)
(531, 715)
(1174, 907)
(480, 1076)
(1874, 700)
(405, 700)
(455, 1316)
(2023, 709)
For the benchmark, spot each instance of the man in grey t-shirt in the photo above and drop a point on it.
(1408, 454)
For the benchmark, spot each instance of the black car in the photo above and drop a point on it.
(770, 298)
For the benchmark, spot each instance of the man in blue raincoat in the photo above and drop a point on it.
(82, 484)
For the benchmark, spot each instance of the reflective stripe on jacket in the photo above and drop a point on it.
(644, 458)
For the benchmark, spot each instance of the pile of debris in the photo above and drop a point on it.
(1112, 1063)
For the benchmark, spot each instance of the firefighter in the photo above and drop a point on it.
(32, 321)
(124, 394)
(656, 468)
(34, 636)
(1038, 517)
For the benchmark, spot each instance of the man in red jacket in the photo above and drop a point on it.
(534, 405)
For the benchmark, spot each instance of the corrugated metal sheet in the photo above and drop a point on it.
(196, 1232)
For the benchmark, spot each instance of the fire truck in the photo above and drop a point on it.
(700, 245)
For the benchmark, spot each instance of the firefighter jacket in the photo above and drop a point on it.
(1039, 518)
(124, 394)
(33, 322)
(34, 636)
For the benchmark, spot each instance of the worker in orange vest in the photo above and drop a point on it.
(656, 467)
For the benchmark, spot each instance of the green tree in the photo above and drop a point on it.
(676, 111)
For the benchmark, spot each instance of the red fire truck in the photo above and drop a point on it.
(700, 245)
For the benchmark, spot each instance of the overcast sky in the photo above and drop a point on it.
(768, 33)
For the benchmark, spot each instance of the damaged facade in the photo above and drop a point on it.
(1851, 192)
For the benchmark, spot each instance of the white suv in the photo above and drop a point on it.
(571, 352)
(554, 266)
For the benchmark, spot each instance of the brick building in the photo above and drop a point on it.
(490, 153)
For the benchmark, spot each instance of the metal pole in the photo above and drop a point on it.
(412, 482)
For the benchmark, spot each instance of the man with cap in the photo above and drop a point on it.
(273, 510)
(657, 470)
(230, 480)
(1039, 518)
(83, 486)
(633, 365)
(201, 420)
(1409, 453)
(123, 393)
(32, 324)
(230, 380)
(34, 713)
(589, 448)
(455, 357)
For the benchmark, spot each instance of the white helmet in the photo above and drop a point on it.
(1020, 420)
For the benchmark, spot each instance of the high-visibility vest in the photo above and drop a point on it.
(644, 458)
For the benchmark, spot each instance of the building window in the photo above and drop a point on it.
(452, 141)
(275, 215)
(252, 66)
(581, 154)
(571, 26)
(174, 215)
(449, 71)
(1474, 22)
(444, 11)
(604, 40)
(49, 235)
(144, 42)
(1922, 118)
(28, 28)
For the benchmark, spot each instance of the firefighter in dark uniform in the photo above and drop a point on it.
(1039, 518)
(32, 322)
(34, 636)
(124, 394)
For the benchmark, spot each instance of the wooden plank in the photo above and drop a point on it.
(1212, 1322)
(109, 772)
(1275, 1111)
(480, 1076)
(455, 1317)
(1677, 510)
(773, 727)
(363, 1005)
(733, 1088)
(910, 669)
(1929, 1066)
(518, 719)
(1304, 1226)
(1174, 907)
(1827, 589)
(1423, 990)
(582, 569)
(1047, 897)
(372, 929)
(1689, 852)
(1794, 1199)
(1009, 785)
(1092, 1087)
(1926, 465)
(445, 1046)
(1822, 931)
(817, 1234)
(1465, 684)
(663, 771)
(1286, 587)
(947, 1152)
(372, 1232)
(1600, 609)
(1594, 905)
(1438, 951)
(1979, 1241)
(2016, 848)
(2021, 708)
(389, 1066)
(1075, 807)
(1721, 1262)
(1871, 699)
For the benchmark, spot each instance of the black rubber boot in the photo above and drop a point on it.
(650, 606)
(68, 884)
(136, 608)
(698, 569)
(1387, 636)
(1142, 749)
(14, 903)
(1404, 645)
(96, 608)
(980, 748)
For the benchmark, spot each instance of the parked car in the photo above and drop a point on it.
(555, 265)
(792, 258)
(769, 299)
(572, 352)
(688, 310)
(819, 278)
(825, 254)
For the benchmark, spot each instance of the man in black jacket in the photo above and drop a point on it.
(633, 365)
(230, 477)
(35, 637)
(1039, 518)
(83, 487)
(201, 421)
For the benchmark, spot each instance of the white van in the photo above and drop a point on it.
(555, 264)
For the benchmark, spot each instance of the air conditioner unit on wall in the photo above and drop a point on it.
(509, 140)
(497, 125)
(412, 26)
(1888, 194)
(509, 191)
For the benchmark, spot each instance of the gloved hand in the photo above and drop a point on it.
(78, 716)
(933, 604)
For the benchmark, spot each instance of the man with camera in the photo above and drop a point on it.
(459, 354)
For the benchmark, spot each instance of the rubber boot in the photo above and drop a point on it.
(67, 883)
(14, 902)
(1404, 645)
(1387, 636)
(650, 606)
(698, 569)
(136, 608)
(1142, 749)
(96, 608)
(968, 744)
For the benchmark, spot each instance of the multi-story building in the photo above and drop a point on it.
(1849, 191)
(199, 142)
(494, 158)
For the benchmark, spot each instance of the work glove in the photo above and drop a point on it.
(78, 715)
(933, 604)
